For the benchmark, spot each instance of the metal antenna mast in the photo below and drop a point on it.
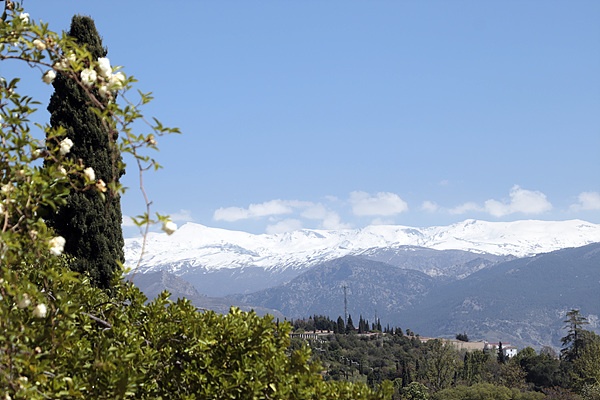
(345, 305)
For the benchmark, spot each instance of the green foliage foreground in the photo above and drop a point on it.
(87, 344)
(62, 337)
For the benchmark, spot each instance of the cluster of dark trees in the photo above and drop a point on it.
(323, 323)
(445, 372)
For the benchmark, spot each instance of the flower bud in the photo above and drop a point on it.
(39, 44)
(169, 227)
(49, 76)
(24, 302)
(40, 311)
(88, 77)
(104, 67)
(57, 245)
(101, 186)
(89, 174)
(65, 146)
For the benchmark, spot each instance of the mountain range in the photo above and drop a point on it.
(491, 279)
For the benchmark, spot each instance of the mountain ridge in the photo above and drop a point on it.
(196, 246)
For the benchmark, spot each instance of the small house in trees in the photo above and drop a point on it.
(508, 350)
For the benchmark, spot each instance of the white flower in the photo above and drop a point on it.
(23, 381)
(57, 245)
(103, 90)
(7, 188)
(104, 67)
(116, 81)
(169, 227)
(65, 146)
(101, 186)
(61, 65)
(88, 76)
(49, 76)
(62, 170)
(37, 153)
(151, 140)
(89, 173)
(24, 302)
(64, 63)
(39, 44)
(24, 18)
(40, 311)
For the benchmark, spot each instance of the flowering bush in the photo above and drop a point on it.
(61, 337)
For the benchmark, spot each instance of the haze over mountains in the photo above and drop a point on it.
(431, 280)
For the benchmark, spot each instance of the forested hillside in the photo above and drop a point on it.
(423, 368)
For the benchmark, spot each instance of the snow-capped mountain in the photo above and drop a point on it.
(441, 280)
(196, 246)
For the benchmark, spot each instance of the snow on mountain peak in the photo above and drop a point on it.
(212, 248)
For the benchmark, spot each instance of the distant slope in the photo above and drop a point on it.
(444, 264)
(521, 301)
(154, 283)
(373, 288)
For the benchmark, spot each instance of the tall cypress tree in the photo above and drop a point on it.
(90, 223)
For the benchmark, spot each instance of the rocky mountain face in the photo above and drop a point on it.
(372, 288)
(522, 301)
(447, 265)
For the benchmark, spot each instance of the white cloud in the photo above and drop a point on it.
(182, 216)
(465, 208)
(521, 201)
(333, 221)
(275, 208)
(315, 211)
(329, 219)
(382, 204)
(429, 206)
(587, 201)
(286, 225)
(268, 208)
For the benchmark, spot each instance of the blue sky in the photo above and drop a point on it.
(338, 114)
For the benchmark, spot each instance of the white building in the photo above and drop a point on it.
(508, 350)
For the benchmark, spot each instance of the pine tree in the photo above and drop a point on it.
(341, 328)
(90, 223)
(501, 356)
(572, 342)
(349, 324)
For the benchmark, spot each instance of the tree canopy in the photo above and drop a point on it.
(90, 221)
